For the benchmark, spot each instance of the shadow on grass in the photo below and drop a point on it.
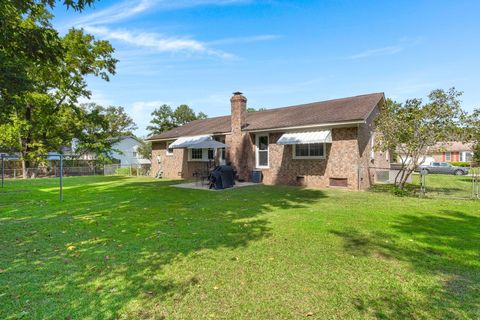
(107, 245)
(446, 245)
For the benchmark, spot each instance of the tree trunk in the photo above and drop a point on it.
(24, 169)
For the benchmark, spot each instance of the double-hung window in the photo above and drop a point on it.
(309, 151)
(262, 151)
(448, 156)
(196, 154)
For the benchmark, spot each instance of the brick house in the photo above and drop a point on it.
(452, 151)
(321, 144)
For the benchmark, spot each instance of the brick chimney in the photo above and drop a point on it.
(240, 151)
(239, 112)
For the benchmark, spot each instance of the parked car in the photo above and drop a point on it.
(443, 167)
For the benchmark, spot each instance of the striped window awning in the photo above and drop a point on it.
(324, 136)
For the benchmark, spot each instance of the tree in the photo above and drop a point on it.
(164, 119)
(145, 149)
(413, 127)
(27, 38)
(41, 113)
(119, 122)
(93, 131)
(473, 133)
(250, 109)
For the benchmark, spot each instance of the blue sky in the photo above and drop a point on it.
(280, 53)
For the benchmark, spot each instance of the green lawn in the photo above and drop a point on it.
(137, 248)
(443, 185)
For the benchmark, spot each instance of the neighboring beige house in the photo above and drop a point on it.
(452, 151)
(319, 144)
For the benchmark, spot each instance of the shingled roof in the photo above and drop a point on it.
(350, 109)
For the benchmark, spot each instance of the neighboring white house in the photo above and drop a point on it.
(126, 151)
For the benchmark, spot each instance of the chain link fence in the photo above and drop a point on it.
(429, 185)
(52, 171)
(126, 170)
(449, 186)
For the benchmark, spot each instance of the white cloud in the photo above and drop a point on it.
(158, 42)
(128, 9)
(115, 13)
(402, 44)
(378, 52)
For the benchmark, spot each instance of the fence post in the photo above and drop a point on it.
(61, 177)
(3, 170)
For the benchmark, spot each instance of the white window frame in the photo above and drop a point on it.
(449, 158)
(257, 150)
(204, 156)
(294, 156)
(190, 155)
(464, 154)
(167, 144)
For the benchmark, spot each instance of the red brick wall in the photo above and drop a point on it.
(340, 162)
(174, 166)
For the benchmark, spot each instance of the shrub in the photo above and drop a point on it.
(123, 171)
(460, 164)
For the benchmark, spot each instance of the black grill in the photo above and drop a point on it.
(222, 177)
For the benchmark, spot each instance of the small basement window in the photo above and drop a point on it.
(339, 182)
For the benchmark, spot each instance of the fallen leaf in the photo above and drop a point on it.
(71, 248)
(309, 314)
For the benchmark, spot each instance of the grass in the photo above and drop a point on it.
(136, 248)
(440, 185)
(437, 186)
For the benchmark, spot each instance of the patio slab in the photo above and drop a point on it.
(199, 186)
